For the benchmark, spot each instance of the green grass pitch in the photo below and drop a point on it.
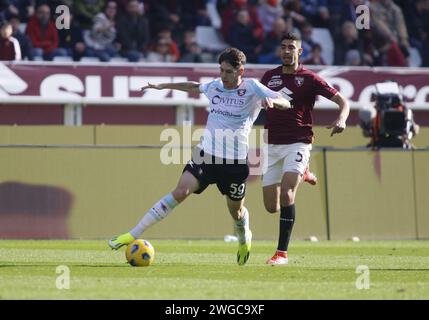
(203, 269)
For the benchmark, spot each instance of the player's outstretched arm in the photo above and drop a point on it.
(279, 103)
(190, 86)
(339, 124)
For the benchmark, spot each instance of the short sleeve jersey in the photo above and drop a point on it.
(295, 124)
(231, 116)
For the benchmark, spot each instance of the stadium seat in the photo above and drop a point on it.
(207, 57)
(63, 59)
(323, 37)
(118, 59)
(415, 58)
(22, 27)
(89, 60)
(209, 39)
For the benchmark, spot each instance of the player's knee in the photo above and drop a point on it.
(272, 207)
(181, 193)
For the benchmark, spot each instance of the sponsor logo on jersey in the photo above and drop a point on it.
(299, 81)
(228, 101)
(218, 90)
(224, 113)
(241, 92)
(274, 83)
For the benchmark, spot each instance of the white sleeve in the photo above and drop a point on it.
(204, 87)
(262, 91)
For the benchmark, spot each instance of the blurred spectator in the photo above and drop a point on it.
(189, 50)
(163, 13)
(71, 39)
(85, 11)
(316, 12)
(54, 4)
(270, 52)
(293, 9)
(133, 32)
(315, 56)
(244, 36)
(340, 12)
(417, 19)
(23, 39)
(161, 52)
(3, 7)
(9, 46)
(229, 15)
(43, 34)
(306, 41)
(193, 13)
(268, 12)
(179, 15)
(173, 48)
(122, 6)
(352, 58)
(387, 22)
(393, 30)
(6, 10)
(100, 40)
(24, 9)
(352, 39)
(349, 40)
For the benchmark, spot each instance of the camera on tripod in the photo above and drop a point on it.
(390, 122)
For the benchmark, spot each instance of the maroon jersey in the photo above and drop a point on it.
(294, 125)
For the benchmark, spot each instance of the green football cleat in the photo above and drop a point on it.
(244, 249)
(119, 241)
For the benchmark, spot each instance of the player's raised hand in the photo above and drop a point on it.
(337, 126)
(151, 86)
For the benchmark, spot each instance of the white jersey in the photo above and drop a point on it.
(231, 116)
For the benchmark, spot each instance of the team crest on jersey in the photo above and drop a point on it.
(241, 92)
(299, 81)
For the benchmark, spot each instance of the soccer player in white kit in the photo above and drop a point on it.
(221, 157)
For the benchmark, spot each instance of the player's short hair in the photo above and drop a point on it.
(233, 56)
(291, 36)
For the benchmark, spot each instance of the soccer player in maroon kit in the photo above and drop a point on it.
(290, 135)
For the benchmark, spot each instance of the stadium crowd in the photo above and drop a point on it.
(165, 30)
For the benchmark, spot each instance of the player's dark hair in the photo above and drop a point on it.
(291, 36)
(233, 56)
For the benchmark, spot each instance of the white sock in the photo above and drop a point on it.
(159, 211)
(242, 226)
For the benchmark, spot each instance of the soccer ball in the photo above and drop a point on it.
(140, 253)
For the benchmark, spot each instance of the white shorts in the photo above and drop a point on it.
(283, 158)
